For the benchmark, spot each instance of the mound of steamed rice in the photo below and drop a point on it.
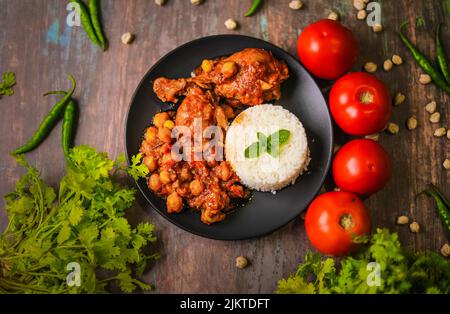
(266, 173)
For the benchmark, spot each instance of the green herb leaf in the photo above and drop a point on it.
(86, 224)
(6, 87)
(275, 140)
(253, 151)
(401, 271)
(265, 144)
(137, 169)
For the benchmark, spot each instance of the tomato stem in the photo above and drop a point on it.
(366, 98)
(346, 221)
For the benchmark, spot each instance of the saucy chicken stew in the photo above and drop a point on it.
(217, 91)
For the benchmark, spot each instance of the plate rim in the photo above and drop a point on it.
(201, 234)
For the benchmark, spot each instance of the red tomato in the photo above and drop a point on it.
(332, 221)
(360, 104)
(327, 49)
(362, 167)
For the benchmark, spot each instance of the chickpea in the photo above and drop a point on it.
(145, 148)
(151, 163)
(174, 203)
(229, 112)
(196, 187)
(164, 175)
(169, 124)
(160, 118)
(165, 134)
(154, 183)
(150, 134)
(224, 172)
(241, 262)
(206, 66)
(167, 159)
(229, 69)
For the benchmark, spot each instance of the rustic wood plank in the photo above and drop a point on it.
(40, 48)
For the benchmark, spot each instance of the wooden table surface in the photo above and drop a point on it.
(37, 44)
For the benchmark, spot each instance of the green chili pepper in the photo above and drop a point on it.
(424, 63)
(443, 205)
(86, 21)
(94, 11)
(48, 123)
(253, 7)
(68, 127)
(442, 60)
(55, 92)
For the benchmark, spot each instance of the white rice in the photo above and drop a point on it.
(266, 173)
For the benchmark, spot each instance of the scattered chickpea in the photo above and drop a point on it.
(160, 118)
(196, 2)
(446, 164)
(361, 15)
(127, 38)
(230, 24)
(174, 203)
(402, 220)
(440, 132)
(241, 262)
(296, 5)
(160, 2)
(359, 4)
(448, 134)
(370, 67)
(411, 123)
(414, 227)
(445, 250)
(424, 79)
(377, 28)
(399, 99)
(435, 117)
(374, 137)
(393, 128)
(333, 16)
(397, 60)
(431, 107)
(387, 65)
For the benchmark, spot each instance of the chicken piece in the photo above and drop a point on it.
(169, 89)
(197, 105)
(248, 77)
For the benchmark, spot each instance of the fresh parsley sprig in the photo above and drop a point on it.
(84, 222)
(8, 81)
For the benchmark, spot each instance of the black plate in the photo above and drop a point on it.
(300, 94)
